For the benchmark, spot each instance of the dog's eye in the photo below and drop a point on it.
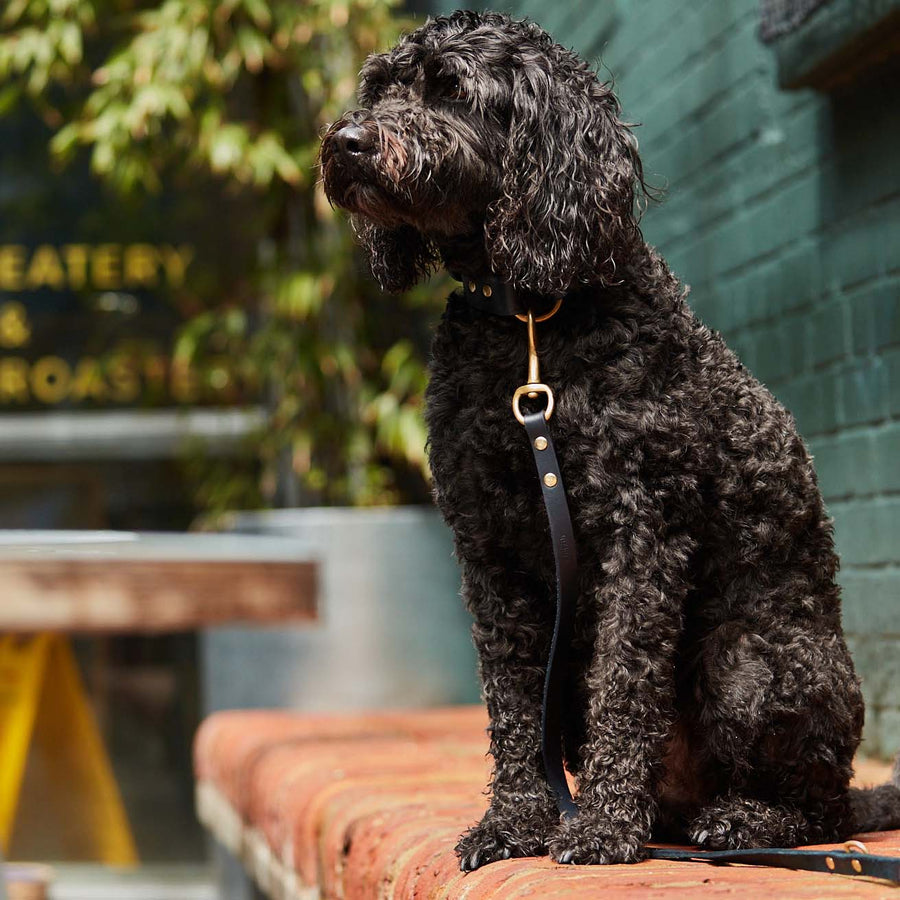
(451, 87)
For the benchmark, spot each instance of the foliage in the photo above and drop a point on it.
(161, 93)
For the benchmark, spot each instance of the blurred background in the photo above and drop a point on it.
(204, 399)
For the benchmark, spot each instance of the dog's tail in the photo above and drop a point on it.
(878, 808)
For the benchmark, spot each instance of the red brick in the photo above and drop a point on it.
(308, 827)
(431, 863)
(353, 825)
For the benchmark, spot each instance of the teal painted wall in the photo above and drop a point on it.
(783, 214)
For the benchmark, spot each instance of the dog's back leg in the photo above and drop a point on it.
(736, 822)
(794, 791)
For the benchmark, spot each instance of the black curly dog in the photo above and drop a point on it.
(712, 695)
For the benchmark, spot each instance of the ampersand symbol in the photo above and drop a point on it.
(14, 328)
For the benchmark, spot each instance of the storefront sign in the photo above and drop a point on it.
(104, 352)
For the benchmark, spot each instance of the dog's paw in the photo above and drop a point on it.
(738, 823)
(591, 842)
(492, 840)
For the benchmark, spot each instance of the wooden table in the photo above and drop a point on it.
(108, 581)
(53, 584)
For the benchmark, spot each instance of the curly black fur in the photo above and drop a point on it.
(712, 694)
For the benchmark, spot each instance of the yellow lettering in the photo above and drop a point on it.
(12, 267)
(50, 379)
(175, 261)
(13, 380)
(14, 327)
(76, 259)
(124, 380)
(139, 267)
(45, 269)
(106, 267)
(88, 382)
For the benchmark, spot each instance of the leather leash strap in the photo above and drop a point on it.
(565, 557)
(834, 862)
(854, 860)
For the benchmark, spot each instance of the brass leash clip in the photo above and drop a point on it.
(534, 386)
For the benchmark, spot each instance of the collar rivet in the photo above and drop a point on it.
(486, 290)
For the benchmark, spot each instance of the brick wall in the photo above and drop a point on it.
(783, 214)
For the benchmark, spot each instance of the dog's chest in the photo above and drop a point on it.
(484, 476)
(484, 473)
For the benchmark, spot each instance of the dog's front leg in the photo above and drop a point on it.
(639, 589)
(511, 632)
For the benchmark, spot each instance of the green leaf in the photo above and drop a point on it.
(9, 96)
(227, 147)
(70, 43)
(259, 12)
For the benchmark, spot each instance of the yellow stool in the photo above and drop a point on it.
(43, 703)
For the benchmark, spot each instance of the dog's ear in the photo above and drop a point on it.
(569, 176)
(399, 257)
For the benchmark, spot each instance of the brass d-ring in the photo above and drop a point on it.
(532, 389)
(545, 316)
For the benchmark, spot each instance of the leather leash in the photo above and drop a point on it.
(566, 560)
(493, 296)
(854, 859)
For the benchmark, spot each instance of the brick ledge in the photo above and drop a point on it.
(313, 819)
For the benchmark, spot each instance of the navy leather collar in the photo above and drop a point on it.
(491, 294)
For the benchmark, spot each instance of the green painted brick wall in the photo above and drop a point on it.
(783, 214)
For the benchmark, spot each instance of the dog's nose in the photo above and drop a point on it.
(355, 140)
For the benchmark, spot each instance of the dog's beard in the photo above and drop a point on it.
(371, 202)
(361, 191)
(430, 215)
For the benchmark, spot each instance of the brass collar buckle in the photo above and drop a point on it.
(534, 386)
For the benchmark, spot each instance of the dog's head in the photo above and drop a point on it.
(479, 131)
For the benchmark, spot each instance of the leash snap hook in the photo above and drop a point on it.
(534, 386)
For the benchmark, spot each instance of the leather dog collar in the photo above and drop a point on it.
(491, 294)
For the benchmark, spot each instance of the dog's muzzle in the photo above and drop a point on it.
(349, 152)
